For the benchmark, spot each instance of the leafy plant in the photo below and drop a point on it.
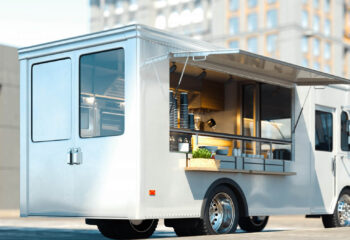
(201, 153)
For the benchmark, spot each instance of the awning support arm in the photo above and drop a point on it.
(178, 85)
(301, 110)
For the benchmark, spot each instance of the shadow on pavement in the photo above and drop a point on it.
(13, 233)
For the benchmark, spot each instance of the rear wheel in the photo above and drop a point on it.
(253, 224)
(220, 214)
(341, 215)
(125, 229)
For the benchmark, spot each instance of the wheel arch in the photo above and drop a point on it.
(334, 204)
(242, 201)
(344, 188)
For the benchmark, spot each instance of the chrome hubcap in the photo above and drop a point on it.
(344, 210)
(221, 213)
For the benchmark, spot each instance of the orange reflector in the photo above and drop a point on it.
(152, 192)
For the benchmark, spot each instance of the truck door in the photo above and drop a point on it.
(325, 154)
(49, 177)
(102, 137)
(342, 163)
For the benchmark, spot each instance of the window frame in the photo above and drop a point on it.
(342, 132)
(79, 91)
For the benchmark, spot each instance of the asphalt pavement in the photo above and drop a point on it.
(280, 227)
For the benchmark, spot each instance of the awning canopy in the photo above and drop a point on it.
(244, 64)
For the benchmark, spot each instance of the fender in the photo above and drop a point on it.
(242, 202)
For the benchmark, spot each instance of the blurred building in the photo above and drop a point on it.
(9, 131)
(311, 33)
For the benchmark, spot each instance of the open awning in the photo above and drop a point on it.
(244, 64)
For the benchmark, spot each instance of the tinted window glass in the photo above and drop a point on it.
(344, 132)
(275, 112)
(102, 94)
(51, 101)
(252, 22)
(234, 25)
(324, 131)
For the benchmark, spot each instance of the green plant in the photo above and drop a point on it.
(201, 153)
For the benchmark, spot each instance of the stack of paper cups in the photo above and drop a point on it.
(173, 110)
(184, 110)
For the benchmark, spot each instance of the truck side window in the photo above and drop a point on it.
(102, 100)
(324, 131)
(51, 100)
(344, 133)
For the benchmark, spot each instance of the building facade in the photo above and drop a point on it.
(311, 33)
(9, 131)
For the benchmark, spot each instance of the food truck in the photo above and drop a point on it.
(131, 125)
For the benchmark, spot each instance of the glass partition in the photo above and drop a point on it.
(275, 112)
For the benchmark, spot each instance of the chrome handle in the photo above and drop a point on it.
(334, 165)
(69, 157)
(75, 156)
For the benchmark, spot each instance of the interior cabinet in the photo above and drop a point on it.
(202, 94)
(211, 97)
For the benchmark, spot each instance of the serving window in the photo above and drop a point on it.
(229, 115)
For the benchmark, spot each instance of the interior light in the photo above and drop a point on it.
(211, 123)
(90, 100)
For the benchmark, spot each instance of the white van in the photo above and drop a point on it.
(131, 125)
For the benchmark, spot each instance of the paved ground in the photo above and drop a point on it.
(282, 227)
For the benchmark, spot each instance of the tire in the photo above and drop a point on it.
(186, 227)
(253, 224)
(125, 229)
(182, 231)
(221, 204)
(341, 214)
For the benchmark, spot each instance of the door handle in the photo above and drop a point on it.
(334, 165)
(74, 156)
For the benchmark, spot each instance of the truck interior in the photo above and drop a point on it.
(225, 104)
(235, 103)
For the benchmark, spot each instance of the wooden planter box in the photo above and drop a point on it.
(203, 163)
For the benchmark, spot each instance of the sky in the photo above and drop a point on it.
(29, 22)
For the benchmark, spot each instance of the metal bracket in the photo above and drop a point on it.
(199, 58)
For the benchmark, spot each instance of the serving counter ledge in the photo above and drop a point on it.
(202, 169)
